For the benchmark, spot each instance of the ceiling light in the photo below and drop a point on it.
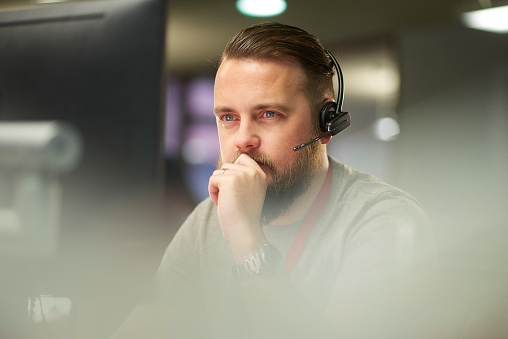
(261, 8)
(47, 1)
(494, 19)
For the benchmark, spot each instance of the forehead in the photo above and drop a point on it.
(259, 76)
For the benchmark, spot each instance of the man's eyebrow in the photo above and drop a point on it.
(221, 109)
(275, 105)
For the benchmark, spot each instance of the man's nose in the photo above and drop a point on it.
(247, 137)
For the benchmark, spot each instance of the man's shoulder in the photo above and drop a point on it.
(202, 218)
(205, 206)
(350, 185)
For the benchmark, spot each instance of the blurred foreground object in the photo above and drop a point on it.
(42, 146)
(32, 156)
(49, 317)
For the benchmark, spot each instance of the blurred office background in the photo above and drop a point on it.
(446, 86)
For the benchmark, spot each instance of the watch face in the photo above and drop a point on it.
(272, 261)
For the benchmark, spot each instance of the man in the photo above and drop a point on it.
(291, 244)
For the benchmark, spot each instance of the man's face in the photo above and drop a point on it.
(262, 111)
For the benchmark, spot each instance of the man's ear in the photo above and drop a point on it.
(326, 139)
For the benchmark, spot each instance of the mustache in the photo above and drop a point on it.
(259, 158)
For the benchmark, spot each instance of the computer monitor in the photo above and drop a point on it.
(98, 66)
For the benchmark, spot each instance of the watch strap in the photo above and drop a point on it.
(262, 261)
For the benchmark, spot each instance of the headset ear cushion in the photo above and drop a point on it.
(327, 114)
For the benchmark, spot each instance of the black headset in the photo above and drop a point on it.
(331, 118)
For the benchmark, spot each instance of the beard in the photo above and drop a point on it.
(289, 180)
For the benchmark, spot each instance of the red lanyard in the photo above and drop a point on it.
(309, 223)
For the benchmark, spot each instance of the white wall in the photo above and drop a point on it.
(453, 155)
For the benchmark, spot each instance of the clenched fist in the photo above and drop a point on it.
(238, 190)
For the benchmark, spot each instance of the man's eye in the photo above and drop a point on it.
(228, 117)
(270, 114)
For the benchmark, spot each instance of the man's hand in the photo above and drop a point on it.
(238, 190)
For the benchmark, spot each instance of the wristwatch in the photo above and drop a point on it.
(266, 260)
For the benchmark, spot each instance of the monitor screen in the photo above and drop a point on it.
(97, 66)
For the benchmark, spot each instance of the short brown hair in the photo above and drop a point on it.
(275, 41)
